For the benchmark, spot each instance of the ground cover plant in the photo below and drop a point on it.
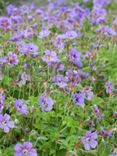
(58, 79)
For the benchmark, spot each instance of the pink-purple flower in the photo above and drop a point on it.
(2, 99)
(46, 103)
(74, 56)
(106, 133)
(21, 107)
(25, 149)
(56, 66)
(87, 93)
(109, 87)
(50, 56)
(5, 23)
(102, 3)
(73, 77)
(44, 33)
(110, 32)
(72, 34)
(5, 123)
(22, 47)
(97, 112)
(78, 99)
(89, 140)
(115, 114)
(11, 59)
(60, 81)
(32, 49)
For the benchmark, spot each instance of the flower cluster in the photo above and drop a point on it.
(58, 84)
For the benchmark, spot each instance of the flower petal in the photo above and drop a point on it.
(93, 143)
(18, 147)
(87, 146)
(11, 124)
(6, 129)
(94, 135)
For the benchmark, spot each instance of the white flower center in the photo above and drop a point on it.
(25, 152)
(88, 139)
(4, 122)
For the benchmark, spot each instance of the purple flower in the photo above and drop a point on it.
(17, 20)
(73, 77)
(50, 56)
(22, 47)
(9, 9)
(105, 133)
(27, 65)
(110, 32)
(5, 124)
(86, 55)
(56, 66)
(44, 33)
(0, 74)
(60, 81)
(5, 23)
(115, 21)
(59, 44)
(109, 87)
(25, 9)
(101, 29)
(34, 26)
(91, 124)
(12, 10)
(84, 75)
(25, 77)
(80, 14)
(92, 65)
(102, 3)
(11, 59)
(78, 99)
(71, 35)
(28, 33)
(97, 112)
(30, 18)
(99, 16)
(113, 155)
(25, 149)
(85, 1)
(40, 12)
(87, 93)
(46, 103)
(17, 37)
(1, 63)
(89, 140)
(2, 99)
(74, 56)
(115, 114)
(21, 107)
(32, 49)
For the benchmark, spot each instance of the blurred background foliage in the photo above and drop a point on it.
(4, 3)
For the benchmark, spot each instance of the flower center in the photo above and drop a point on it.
(10, 59)
(4, 23)
(45, 105)
(4, 123)
(88, 139)
(48, 57)
(20, 106)
(77, 99)
(25, 152)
